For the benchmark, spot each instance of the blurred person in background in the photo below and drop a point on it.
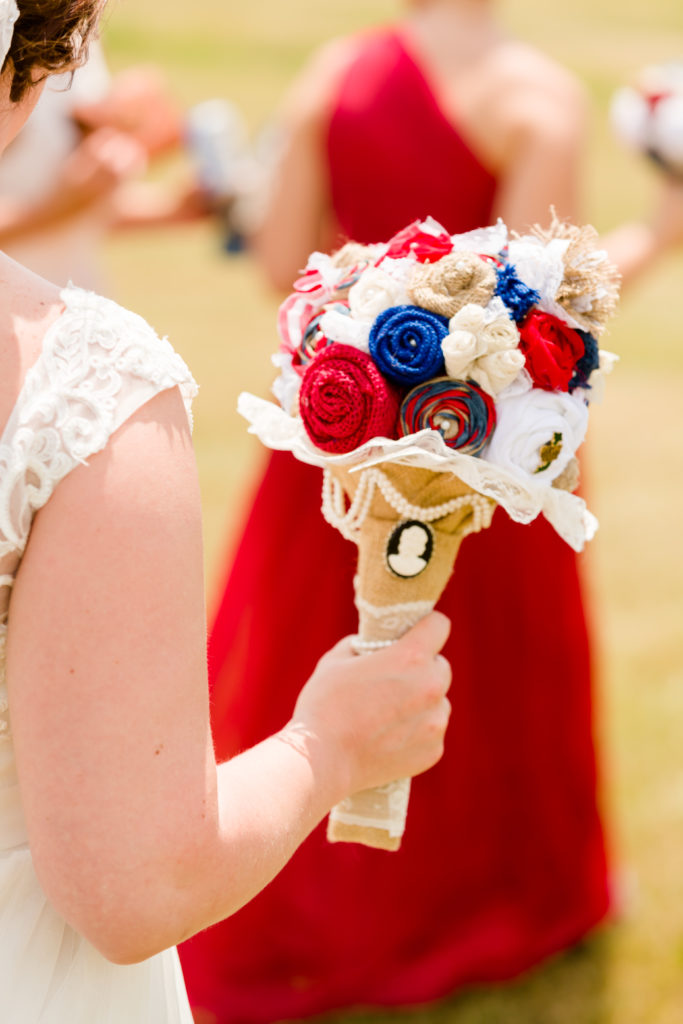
(75, 170)
(503, 862)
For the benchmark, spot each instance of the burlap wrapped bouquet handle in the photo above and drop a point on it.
(408, 523)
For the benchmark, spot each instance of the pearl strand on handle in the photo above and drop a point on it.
(349, 521)
(368, 646)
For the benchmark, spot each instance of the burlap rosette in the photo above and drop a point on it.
(408, 524)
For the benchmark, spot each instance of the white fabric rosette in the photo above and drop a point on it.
(375, 291)
(286, 386)
(537, 433)
(9, 12)
(541, 266)
(346, 330)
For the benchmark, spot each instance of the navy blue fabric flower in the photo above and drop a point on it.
(517, 296)
(589, 361)
(405, 342)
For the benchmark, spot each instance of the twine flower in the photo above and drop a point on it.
(405, 342)
(464, 415)
(589, 288)
(537, 433)
(344, 400)
(453, 282)
(354, 254)
(551, 350)
(483, 349)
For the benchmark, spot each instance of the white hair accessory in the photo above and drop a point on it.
(9, 12)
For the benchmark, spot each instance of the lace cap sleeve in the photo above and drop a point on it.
(99, 364)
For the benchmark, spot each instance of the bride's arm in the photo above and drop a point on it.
(138, 839)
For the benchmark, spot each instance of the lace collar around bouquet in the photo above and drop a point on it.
(434, 377)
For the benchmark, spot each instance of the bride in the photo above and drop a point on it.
(119, 834)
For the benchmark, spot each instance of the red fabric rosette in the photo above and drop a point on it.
(345, 401)
(551, 349)
(423, 245)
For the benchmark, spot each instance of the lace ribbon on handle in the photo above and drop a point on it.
(373, 507)
(378, 814)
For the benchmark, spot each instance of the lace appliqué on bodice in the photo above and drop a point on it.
(99, 363)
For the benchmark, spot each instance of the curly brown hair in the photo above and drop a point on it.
(49, 36)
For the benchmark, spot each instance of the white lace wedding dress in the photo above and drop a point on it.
(99, 363)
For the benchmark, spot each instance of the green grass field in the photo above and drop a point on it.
(220, 316)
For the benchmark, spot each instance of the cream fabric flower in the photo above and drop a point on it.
(401, 269)
(483, 348)
(537, 433)
(461, 348)
(286, 386)
(496, 371)
(9, 12)
(345, 329)
(501, 334)
(373, 293)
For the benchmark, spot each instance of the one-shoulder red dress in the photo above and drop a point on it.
(503, 859)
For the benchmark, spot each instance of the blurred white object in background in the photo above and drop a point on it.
(217, 139)
(648, 116)
(231, 171)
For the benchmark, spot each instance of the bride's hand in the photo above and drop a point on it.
(381, 716)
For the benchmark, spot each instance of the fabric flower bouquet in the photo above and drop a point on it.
(434, 377)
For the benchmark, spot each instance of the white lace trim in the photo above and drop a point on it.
(384, 808)
(521, 498)
(395, 619)
(99, 363)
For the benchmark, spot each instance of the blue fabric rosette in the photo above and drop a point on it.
(589, 361)
(405, 342)
(517, 296)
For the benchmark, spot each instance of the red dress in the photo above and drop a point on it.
(503, 859)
